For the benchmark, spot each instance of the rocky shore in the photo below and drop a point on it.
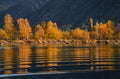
(63, 42)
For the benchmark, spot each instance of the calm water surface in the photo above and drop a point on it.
(24, 59)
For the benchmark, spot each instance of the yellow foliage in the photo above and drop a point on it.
(3, 34)
(66, 35)
(25, 30)
(58, 34)
(110, 24)
(103, 31)
(49, 24)
(52, 32)
(39, 32)
(79, 34)
(9, 26)
(94, 35)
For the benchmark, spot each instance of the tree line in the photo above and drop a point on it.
(50, 30)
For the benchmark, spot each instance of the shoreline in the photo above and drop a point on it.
(109, 74)
(61, 42)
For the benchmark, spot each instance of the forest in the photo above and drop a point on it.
(50, 30)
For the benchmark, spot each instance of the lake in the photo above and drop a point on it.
(57, 62)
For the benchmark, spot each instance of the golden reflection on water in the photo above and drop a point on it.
(52, 56)
(81, 53)
(32, 56)
(24, 58)
(8, 60)
(105, 56)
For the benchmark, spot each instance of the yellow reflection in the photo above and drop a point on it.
(85, 55)
(24, 58)
(40, 56)
(96, 56)
(104, 56)
(52, 56)
(8, 61)
(81, 53)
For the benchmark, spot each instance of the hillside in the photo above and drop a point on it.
(75, 12)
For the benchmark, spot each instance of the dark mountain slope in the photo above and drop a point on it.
(19, 8)
(78, 11)
(63, 12)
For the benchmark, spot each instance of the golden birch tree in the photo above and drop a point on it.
(39, 32)
(25, 30)
(9, 26)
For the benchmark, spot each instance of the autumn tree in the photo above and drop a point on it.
(9, 26)
(102, 31)
(79, 34)
(3, 34)
(25, 30)
(105, 31)
(94, 31)
(66, 35)
(52, 31)
(58, 32)
(49, 32)
(39, 32)
(110, 24)
(86, 35)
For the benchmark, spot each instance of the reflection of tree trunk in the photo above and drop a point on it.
(91, 55)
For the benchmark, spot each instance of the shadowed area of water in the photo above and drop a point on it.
(47, 62)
